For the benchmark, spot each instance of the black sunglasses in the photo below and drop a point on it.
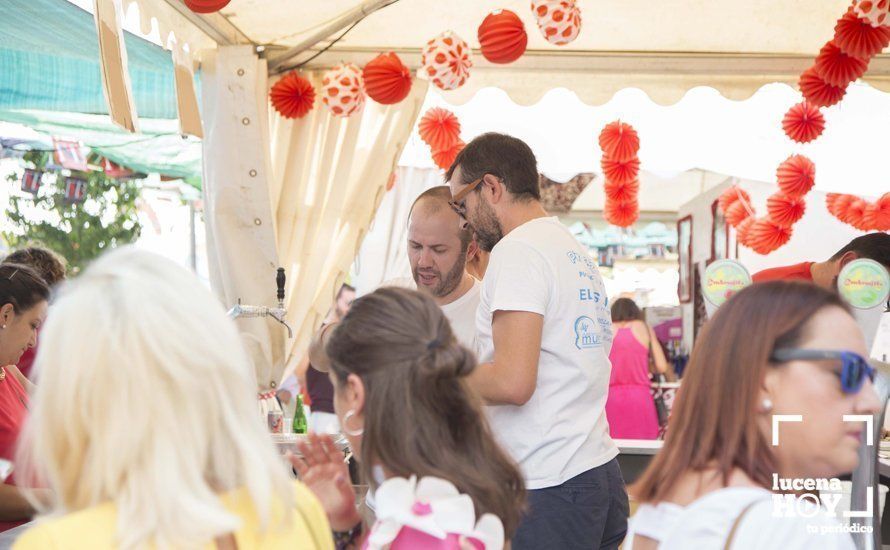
(853, 373)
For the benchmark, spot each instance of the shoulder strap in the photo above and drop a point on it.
(737, 522)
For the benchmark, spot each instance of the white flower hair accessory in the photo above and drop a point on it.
(430, 514)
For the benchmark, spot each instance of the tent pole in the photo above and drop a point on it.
(345, 19)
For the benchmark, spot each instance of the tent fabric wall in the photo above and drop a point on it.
(305, 207)
(329, 177)
(240, 225)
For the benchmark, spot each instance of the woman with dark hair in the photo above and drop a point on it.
(23, 302)
(52, 268)
(401, 395)
(630, 408)
(778, 348)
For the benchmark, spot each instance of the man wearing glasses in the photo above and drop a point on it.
(543, 334)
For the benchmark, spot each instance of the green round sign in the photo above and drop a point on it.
(724, 278)
(864, 284)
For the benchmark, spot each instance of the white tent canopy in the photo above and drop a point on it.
(663, 48)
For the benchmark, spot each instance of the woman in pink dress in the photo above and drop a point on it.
(630, 408)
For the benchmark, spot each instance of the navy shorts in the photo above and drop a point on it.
(587, 511)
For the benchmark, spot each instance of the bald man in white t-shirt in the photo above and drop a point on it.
(439, 247)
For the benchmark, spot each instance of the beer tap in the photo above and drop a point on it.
(278, 313)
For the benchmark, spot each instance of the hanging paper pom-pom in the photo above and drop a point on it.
(439, 128)
(444, 158)
(446, 61)
(877, 215)
(621, 191)
(387, 79)
(858, 38)
(875, 12)
(619, 141)
(838, 203)
(803, 123)
(622, 213)
(206, 6)
(737, 213)
(502, 37)
(796, 175)
(854, 214)
(766, 236)
(559, 20)
(838, 68)
(731, 195)
(292, 96)
(784, 210)
(391, 182)
(343, 89)
(743, 231)
(620, 172)
(818, 92)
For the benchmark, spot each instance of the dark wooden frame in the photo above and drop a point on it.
(687, 297)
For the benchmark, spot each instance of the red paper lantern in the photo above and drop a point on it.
(858, 38)
(796, 175)
(391, 182)
(803, 123)
(205, 6)
(838, 68)
(785, 210)
(292, 96)
(766, 236)
(502, 37)
(619, 141)
(444, 158)
(743, 231)
(818, 92)
(622, 213)
(622, 191)
(620, 172)
(343, 90)
(387, 79)
(439, 128)
(876, 12)
(731, 195)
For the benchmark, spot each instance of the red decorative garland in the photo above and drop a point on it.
(620, 144)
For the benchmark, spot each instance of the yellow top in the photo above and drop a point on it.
(95, 527)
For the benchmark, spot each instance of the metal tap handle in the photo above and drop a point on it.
(279, 280)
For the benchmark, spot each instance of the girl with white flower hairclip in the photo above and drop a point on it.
(403, 404)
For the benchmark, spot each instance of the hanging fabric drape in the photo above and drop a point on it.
(384, 255)
(305, 206)
(329, 177)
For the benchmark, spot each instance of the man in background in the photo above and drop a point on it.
(439, 246)
(874, 246)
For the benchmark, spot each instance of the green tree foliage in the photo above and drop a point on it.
(80, 232)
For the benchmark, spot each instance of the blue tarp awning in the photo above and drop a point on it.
(49, 60)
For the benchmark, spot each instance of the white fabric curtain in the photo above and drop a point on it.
(296, 194)
(383, 255)
(329, 177)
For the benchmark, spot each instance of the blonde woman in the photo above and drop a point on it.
(145, 424)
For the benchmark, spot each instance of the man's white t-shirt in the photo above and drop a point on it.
(561, 432)
(461, 313)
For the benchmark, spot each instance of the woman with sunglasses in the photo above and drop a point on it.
(777, 348)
